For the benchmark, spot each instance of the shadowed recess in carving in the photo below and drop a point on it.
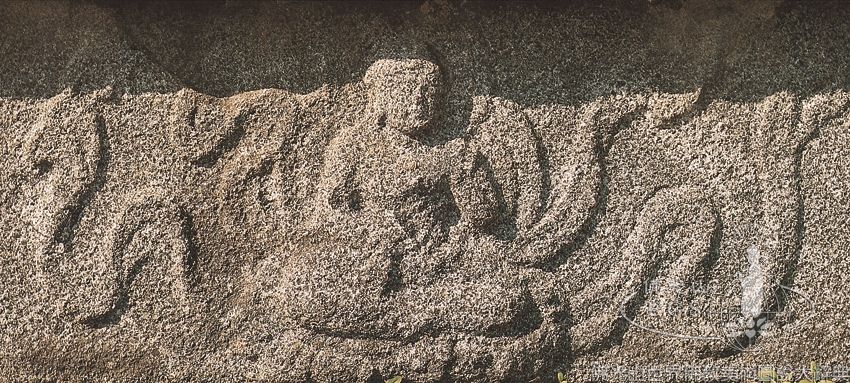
(122, 303)
(546, 173)
(182, 264)
(64, 233)
(603, 143)
(226, 143)
(190, 235)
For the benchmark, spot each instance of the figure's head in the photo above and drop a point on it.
(405, 92)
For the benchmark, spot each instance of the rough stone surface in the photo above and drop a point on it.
(445, 191)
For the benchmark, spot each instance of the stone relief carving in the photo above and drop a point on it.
(385, 239)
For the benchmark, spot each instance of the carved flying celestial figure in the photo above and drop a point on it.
(395, 225)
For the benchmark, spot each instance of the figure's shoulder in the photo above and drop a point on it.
(493, 109)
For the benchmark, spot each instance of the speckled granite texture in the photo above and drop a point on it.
(437, 190)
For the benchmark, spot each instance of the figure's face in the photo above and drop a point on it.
(405, 92)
